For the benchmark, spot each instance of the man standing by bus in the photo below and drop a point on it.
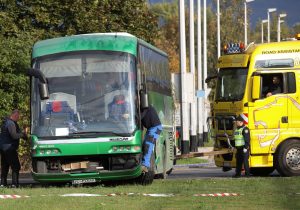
(9, 144)
(242, 145)
(151, 122)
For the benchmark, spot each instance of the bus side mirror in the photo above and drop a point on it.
(43, 86)
(256, 87)
(43, 89)
(144, 99)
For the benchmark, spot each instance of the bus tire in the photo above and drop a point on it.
(147, 178)
(287, 158)
(261, 171)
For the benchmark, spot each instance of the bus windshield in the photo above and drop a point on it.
(231, 84)
(91, 94)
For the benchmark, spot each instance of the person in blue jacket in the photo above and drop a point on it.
(151, 122)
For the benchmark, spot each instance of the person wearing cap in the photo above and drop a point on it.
(242, 145)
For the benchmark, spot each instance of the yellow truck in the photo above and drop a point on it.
(245, 86)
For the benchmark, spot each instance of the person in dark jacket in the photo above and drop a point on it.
(242, 145)
(119, 108)
(151, 122)
(9, 144)
(275, 88)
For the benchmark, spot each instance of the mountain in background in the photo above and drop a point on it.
(259, 9)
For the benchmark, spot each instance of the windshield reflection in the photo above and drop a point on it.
(231, 84)
(90, 95)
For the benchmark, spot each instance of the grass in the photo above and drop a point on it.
(257, 193)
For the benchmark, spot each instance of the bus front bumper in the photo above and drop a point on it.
(88, 177)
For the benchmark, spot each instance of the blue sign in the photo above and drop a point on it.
(200, 93)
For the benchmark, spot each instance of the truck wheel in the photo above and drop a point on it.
(287, 158)
(147, 178)
(261, 171)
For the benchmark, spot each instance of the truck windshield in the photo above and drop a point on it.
(91, 94)
(231, 84)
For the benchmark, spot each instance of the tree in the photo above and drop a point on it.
(168, 39)
(23, 22)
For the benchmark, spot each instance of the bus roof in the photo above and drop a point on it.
(122, 42)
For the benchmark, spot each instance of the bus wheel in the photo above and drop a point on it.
(287, 158)
(261, 171)
(147, 178)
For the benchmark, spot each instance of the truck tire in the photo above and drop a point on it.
(261, 171)
(287, 158)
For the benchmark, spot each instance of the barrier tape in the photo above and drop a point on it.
(122, 194)
(217, 194)
(12, 196)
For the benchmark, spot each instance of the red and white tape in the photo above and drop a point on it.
(120, 194)
(12, 196)
(217, 194)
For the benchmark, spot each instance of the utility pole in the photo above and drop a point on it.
(269, 11)
(205, 66)
(278, 26)
(262, 30)
(184, 103)
(219, 29)
(246, 22)
(193, 139)
(201, 121)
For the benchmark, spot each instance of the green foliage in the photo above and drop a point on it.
(23, 22)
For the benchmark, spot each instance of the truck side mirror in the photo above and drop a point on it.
(256, 87)
(209, 78)
(43, 86)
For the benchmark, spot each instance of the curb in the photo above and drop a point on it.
(200, 165)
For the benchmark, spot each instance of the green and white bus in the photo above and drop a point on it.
(74, 80)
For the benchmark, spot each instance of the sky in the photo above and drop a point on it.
(259, 9)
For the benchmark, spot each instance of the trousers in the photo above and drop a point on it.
(10, 158)
(150, 139)
(242, 159)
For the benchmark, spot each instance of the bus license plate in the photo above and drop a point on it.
(83, 181)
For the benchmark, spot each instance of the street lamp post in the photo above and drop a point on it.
(262, 29)
(246, 23)
(278, 26)
(219, 30)
(269, 11)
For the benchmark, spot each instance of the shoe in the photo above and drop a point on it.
(236, 176)
(144, 169)
(3, 186)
